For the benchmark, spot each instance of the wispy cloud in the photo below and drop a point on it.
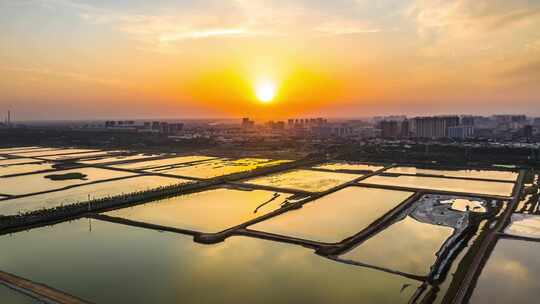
(468, 15)
(160, 30)
(530, 70)
(80, 77)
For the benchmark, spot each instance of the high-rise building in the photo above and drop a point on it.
(434, 127)
(247, 123)
(467, 120)
(389, 128)
(405, 131)
(461, 132)
(528, 131)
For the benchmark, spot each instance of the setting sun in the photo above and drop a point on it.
(265, 91)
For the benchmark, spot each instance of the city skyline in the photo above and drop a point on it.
(81, 59)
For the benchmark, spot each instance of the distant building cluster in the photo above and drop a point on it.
(160, 127)
(316, 127)
(7, 121)
(457, 127)
(499, 128)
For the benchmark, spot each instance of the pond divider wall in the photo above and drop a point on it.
(71, 211)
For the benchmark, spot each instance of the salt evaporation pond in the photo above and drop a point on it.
(84, 192)
(206, 211)
(306, 180)
(111, 263)
(444, 184)
(336, 216)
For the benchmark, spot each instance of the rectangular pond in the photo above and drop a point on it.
(34, 183)
(483, 174)
(206, 211)
(163, 162)
(306, 180)
(511, 274)
(52, 152)
(219, 167)
(79, 155)
(110, 263)
(525, 225)
(116, 159)
(336, 166)
(336, 216)
(84, 192)
(444, 184)
(25, 168)
(408, 246)
(16, 151)
(17, 161)
(10, 149)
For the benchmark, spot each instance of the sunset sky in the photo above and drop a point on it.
(81, 59)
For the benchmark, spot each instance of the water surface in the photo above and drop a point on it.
(26, 168)
(112, 263)
(78, 155)
(219, 167)
(85, 192)
(17, 161)
(487, 174)
(162, 162)
(51, 152)
(526, 225)
(348, 166)
(306, 180)
(10, 296)
(434, 183)
(11, 149)
(407, 246)
(511, 274)
(336, 216)
(128, 158)
(206, 211)
(33, 183)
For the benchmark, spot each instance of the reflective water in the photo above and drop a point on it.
(348, 166)
(51, 152)
(219, 167)
(307, 180)
(10, 296)
(16, 151)
(37, 182)
(336, 216)
(466, 204)
(84, 192)
(16, 161)
(511, 274)
(162, 162)
(206, 211)
(78, 155)
(526, 225)
(475, 187)
(8, 150)
(119, 264)
(487, 174)
(28, 168)
(407, 246)
(101, 160)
